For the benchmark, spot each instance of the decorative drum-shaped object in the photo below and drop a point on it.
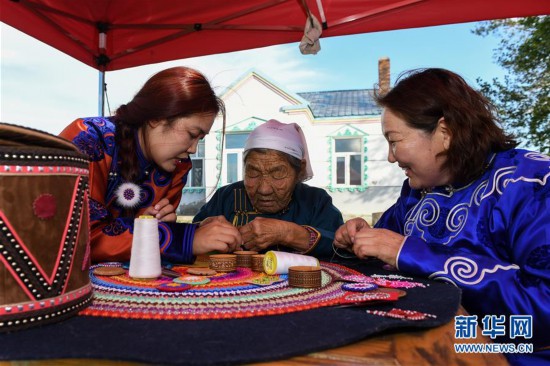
(44, 229)
(222, 262)
(258, 262)
(304, 276)
(244, 257)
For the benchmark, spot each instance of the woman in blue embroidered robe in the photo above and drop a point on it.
(474, 211)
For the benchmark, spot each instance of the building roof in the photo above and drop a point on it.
(342, 103)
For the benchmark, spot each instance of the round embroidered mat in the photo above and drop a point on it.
(227, 295)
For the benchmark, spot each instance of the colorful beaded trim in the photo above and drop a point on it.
(314, 237)
(402, 314)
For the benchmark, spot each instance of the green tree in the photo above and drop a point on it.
(523, 97)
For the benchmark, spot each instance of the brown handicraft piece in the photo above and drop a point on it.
(44, 230)
(223, 262)
(244, 258)
(258, 262)
(199, 271)
(304, 276)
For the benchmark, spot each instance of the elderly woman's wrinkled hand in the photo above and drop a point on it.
(261, 233)
(345, 235)
(216, 233)
(380, 243)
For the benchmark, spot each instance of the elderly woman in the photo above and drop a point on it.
(272, 208)
(474, 211)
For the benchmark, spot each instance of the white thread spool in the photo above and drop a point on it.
(145, 255)
(278, 262)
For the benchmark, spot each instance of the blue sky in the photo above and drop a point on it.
(45, 89)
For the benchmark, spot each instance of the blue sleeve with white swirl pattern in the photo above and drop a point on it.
(491, 238)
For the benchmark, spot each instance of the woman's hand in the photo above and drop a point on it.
(262, 233)
(380, 243)
(345, 235)
(162, 211)
(216, 233)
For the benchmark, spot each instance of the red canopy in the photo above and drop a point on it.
(139, 32)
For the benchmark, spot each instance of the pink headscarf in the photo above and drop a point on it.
(285, 137)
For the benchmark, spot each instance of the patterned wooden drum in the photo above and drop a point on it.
(44, 230)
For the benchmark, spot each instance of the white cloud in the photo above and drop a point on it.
(282, 64)
(41, 87)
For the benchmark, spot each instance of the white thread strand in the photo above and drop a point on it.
(145, 255)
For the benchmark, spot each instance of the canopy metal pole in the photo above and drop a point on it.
(102, 61)
(101, 95)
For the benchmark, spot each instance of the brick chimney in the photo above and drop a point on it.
(383, 75)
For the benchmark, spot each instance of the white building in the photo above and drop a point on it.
(347, 149)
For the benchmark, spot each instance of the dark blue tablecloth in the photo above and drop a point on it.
(232, 341)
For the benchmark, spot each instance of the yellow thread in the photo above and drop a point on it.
(270, 263)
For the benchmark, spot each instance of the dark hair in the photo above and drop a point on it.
(295, 163)
(421, 97)
(168, 95)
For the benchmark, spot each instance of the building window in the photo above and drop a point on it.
(196, 175)
(233, 156)
(348, 162)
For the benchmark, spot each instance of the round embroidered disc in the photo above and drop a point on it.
(109, 271)
(227, 295)
(200, 271)
(357, 278)
(192, 280)
(359, 286)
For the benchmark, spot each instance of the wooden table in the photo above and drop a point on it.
(425, 347)
(415, 347)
